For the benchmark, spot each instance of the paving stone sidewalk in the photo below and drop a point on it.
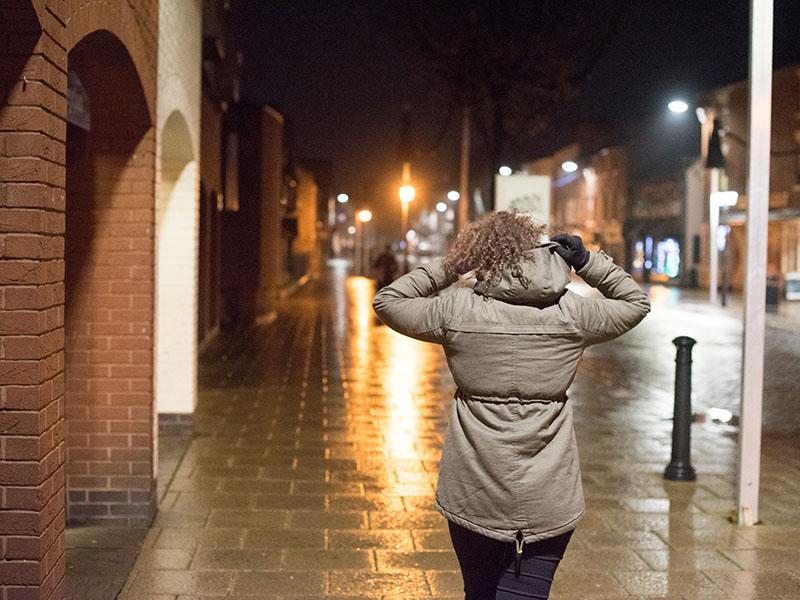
(312, 471)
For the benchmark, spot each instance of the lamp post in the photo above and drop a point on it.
(760, 106)
(719, 200)
(407, 194)
(463, 175)
(713, 162)
(363, 217)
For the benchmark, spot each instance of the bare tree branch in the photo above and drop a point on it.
(512, 62)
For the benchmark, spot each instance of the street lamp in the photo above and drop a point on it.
(441, 207)
(504, 171)
(342, 198)
(363, 217)
(678, 106)
(453, 195)
(407, 194)
(713, 161)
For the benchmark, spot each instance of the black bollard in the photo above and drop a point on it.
(680, 465)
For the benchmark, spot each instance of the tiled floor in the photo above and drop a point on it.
(99, 559)
(313, 469)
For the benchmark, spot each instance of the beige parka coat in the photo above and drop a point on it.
(509, 468)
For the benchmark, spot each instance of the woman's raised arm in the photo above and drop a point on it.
(407, 304)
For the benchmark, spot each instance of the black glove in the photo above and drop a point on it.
(570, 248)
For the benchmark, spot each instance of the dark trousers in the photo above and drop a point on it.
(489, 566)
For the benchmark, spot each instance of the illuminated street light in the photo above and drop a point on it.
(342, 198)
(441, 207)
(407, 193)
(364, 215)
(713, 161)
(505, 171)
(678, 106)
(351, 230)
(569, 166)
(453, 195)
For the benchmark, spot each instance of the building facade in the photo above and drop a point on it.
(654, 230)
(219, 168)
(590, 201)
(730, 104)
(142, 206)
(303, 249)
(251, 234)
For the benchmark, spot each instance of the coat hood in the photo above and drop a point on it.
(540, 280)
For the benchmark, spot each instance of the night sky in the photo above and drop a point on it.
(341, 71)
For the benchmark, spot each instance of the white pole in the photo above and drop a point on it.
(463, 181)
(749, 464)
(713, 228)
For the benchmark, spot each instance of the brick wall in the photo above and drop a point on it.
(109, 292)
(35, 38)
(177, 210)
(32, 133)
(271, 247)
(210, 257)
(241, 228)
(252, 244)
(305, 247)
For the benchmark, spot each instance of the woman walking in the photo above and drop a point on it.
(509, 480)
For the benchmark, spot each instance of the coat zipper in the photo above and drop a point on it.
(520, 542)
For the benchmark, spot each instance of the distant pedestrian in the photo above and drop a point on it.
(386, 265)
(509, 479)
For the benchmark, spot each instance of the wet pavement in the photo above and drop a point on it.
(317, 439)
(99, 559)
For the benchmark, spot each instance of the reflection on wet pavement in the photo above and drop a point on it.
(315, 458)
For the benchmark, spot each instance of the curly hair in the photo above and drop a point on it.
(493, 243)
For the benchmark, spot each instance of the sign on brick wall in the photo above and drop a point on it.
(78, 107)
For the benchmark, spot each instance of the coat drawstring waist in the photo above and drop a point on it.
(520, 544)
(510, 400)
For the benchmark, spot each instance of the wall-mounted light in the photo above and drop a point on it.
(726, 198)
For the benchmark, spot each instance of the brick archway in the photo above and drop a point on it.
(112, 177)
(131, 23)
(110, 182)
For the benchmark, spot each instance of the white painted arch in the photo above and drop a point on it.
(176, 270)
